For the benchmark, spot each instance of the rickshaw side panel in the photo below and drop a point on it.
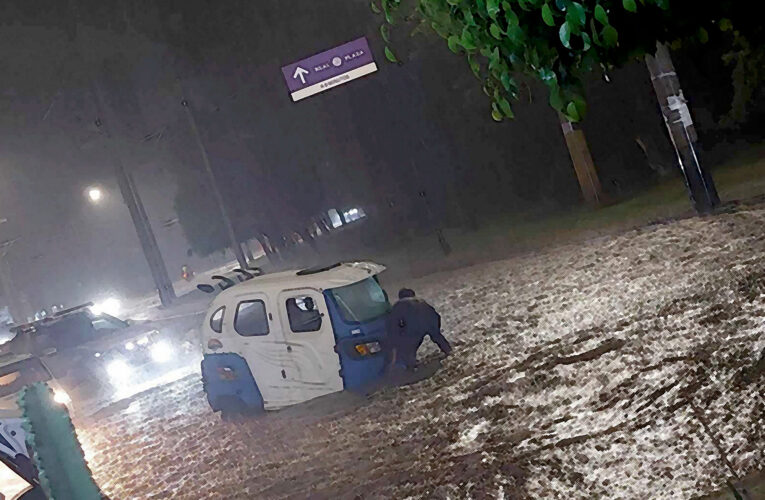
(356, 372)
(226, 376)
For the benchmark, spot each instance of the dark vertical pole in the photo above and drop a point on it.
(145, 235)
(233, 241)
(677, 117)
(130, 195)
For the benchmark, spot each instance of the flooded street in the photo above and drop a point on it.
(607, 369)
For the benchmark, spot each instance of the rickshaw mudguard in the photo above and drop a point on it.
(226, 376)
(357, 373)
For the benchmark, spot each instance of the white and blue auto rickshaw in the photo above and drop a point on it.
(280, 339)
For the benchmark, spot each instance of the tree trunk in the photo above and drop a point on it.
(677, 117)
(584, 167)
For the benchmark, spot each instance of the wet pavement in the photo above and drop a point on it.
(626, 367)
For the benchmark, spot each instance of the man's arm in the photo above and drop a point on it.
(437, 337)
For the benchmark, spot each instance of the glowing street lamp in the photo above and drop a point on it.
(95, 194)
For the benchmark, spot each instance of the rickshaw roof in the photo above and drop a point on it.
(334, 276)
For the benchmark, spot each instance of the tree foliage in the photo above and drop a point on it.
(560, 41)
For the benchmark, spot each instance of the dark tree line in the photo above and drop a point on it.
(379, 143)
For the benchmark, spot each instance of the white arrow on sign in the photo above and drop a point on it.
(300, 73)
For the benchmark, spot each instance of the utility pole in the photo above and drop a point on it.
(677, 117)
(145, 235)
(127, 187)
(236, 247)
(138, 214)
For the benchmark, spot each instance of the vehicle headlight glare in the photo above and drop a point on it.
(130, 346)
(61, 397)
(118, 369)
(161, 352)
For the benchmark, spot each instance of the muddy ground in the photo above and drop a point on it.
(627, 367)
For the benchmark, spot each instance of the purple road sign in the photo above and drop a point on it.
(329, 69)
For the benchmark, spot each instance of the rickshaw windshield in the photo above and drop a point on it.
(362, 301)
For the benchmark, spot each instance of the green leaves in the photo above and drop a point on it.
(496, 114)
(556, 98)
(505, 107)
(385, 32)
(454, 44)
(492, 8)
(600, 14)
(610, 36)
(547, 15)
(468, 40)
(474, 66)
(390, 56)
(565, 34)
(580, 105)
(576, 14)
(502, 38)
(508, 83)
(510, 16)
(703, 35)
(388, 12)
(572, 113)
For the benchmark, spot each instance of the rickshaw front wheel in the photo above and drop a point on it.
(233, 408)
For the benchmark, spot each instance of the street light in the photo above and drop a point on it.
(95, 194)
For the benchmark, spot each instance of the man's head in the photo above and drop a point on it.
(405, 293)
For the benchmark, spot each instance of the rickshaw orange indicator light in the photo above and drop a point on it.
(214, 344)
(368, 348)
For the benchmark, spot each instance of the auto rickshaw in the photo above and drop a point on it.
(280, 339)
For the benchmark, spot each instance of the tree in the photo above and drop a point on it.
(559, 42)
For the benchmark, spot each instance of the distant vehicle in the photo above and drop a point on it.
(281, 339)
(99, 358)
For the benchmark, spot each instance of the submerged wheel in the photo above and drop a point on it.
(233, 408)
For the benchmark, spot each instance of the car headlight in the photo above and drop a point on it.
(130, 346)
(118, 369)
(61, 397)
(161, 352)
